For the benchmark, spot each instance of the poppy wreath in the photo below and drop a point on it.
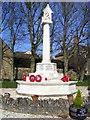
(32, 78)
(38, 78)
(24, 77)
(65, 78)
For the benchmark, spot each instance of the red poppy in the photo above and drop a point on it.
(24, 77)
(65, 78)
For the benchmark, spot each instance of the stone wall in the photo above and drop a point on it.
(19, 72)
(44, 107)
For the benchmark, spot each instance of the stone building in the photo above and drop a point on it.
(22, 63)
(0, 57)
(80, 61)
(6, 61)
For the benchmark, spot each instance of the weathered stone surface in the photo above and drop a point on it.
(26, 105)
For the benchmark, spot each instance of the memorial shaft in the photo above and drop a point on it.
(46, 43)
(46, 21)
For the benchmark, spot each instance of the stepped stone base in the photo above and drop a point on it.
(48, 88)
(52, 86)
(48, 70)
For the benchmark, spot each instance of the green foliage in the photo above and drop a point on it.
(70, 95)
(35, 96)
(78, 100)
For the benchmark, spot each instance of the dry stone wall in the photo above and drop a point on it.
(44, 107)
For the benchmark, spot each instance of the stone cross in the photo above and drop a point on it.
(46, 20)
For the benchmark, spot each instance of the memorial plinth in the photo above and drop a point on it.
(46, 80)
(48, 88)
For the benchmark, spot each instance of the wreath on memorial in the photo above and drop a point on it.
(38, 78)
(65, 78)
(32, 78)
(24, 77)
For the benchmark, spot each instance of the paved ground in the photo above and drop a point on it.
(8, 115)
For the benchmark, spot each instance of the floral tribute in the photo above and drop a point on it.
(33, 78)
(24, 77)
(65, 78)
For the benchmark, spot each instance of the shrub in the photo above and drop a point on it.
(78, 100)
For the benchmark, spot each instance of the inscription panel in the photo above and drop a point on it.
(41, 67)
(48, 67)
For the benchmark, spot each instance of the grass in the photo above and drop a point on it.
(83, 83)
(9, 84)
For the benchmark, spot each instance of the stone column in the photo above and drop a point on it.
(46, 20)
(46, 44)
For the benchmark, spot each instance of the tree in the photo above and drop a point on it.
(33, 14)
(66, 28)
(11, 19)
(82, 38)
(71, 20)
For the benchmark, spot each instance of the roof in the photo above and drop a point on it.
(59, 54)
(22, 55)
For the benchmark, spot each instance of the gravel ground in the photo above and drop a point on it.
(20, 116)
(10, 114)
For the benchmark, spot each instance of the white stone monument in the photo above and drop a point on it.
(46, 80)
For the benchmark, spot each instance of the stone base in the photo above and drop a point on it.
(49, 88)
(48, 70)
(50, 85)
